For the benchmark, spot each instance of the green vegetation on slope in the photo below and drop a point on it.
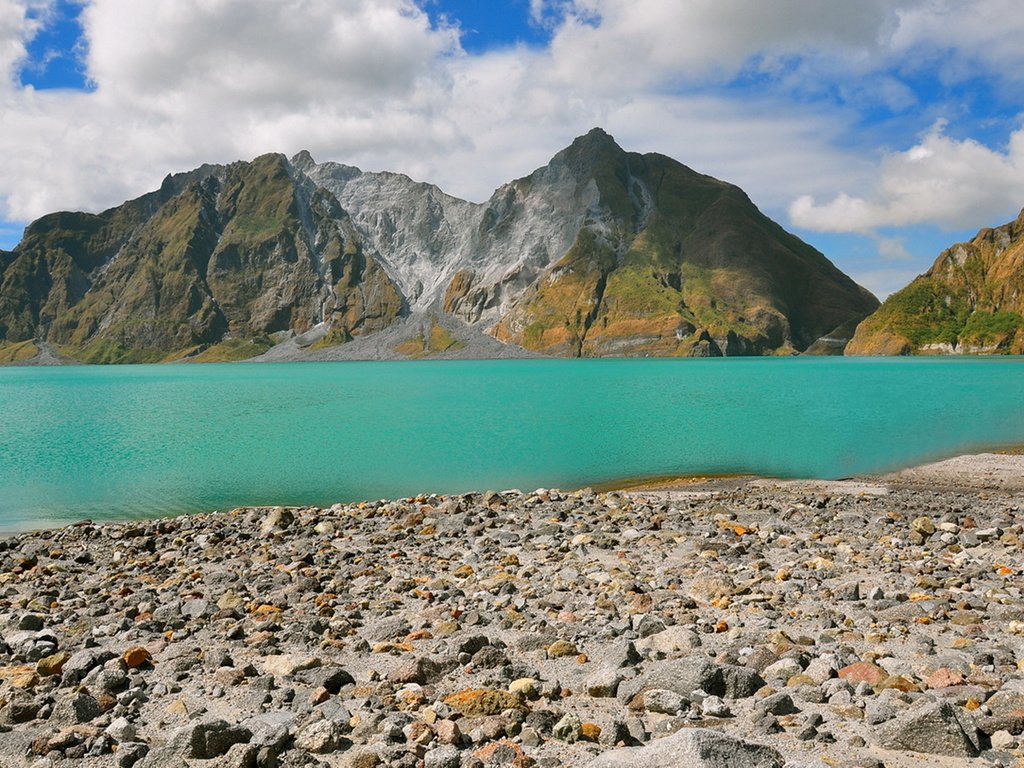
(972, 299)
(676, 257)
(17, 352)
(436, 341)
(232, 350)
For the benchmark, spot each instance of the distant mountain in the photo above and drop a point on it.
(601, 252)
(970, 302)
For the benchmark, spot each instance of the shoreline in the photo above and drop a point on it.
(860, 622)
(1004, 467)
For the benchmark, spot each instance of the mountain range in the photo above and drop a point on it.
(601, 252)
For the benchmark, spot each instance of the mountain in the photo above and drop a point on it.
(600, 252)
(971, 301)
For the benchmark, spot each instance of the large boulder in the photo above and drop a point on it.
(693, 748)
(208, 739)
(684, 676)
(936, 728)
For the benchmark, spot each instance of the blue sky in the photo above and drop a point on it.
(880, 131)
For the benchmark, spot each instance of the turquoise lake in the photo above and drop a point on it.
(143, 441)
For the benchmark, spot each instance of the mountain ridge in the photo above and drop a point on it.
(971, 301)
(600, 252)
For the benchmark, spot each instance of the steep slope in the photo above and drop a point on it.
(669, 261)
(971, 301)
(225, 253)
(599, 252)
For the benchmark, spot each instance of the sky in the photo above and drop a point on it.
(880, 131)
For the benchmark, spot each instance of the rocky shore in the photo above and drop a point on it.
(725, 625)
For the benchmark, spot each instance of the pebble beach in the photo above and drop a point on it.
(730, 623)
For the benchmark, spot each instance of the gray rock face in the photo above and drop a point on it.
(442, 757)
(83, 662)
(937, 729)
(693, 748)
(78, 708)
(684, 676)
(209, 739)
(423, 236)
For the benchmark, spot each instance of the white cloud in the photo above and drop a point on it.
(652, 41)
(885, 280)
(275, 54)
(181, 82)
(893, 248)
(19, 22)
(940, 180)
(984, 36)
(375, 84)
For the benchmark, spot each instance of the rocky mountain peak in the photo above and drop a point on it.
(303, 160)
(590, 152)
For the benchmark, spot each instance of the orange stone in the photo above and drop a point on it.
(590, 732)
(266, 611)
(136, 657)
(481, 702)
(898, 682)
(485, 753)
(53, 664)
(863, 672)
(23, 676)
(944, 678)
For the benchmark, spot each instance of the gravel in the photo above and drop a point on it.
(871, 622)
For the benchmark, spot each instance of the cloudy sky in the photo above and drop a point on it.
(880, 131)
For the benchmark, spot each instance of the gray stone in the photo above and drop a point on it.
(568, 729)
(75, 709)
(693, 748)
(782, 669)
(208, 739)
(120, 730)
(319, 737)
(778, 704)
(277, 520)
(675, 639)
(130, 753)
(737, 682)
(933, 728)
(1003, 740)
(83, 662)
(445, 756)
(664, 702)
(684, 676)
(604, 683)
(713, 706)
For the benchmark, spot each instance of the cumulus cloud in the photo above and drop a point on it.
(181, 82)
(940, 180)
(893, 248)
(19, 22)
(618, 41)
(375, 83)
(283, 54)
(983, 36)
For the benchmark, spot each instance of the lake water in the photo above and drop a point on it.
(142, 441)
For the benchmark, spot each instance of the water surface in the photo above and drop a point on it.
(141, 441)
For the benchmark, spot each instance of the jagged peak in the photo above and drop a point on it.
(595, 142)
(303, 160)
(597, 136)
